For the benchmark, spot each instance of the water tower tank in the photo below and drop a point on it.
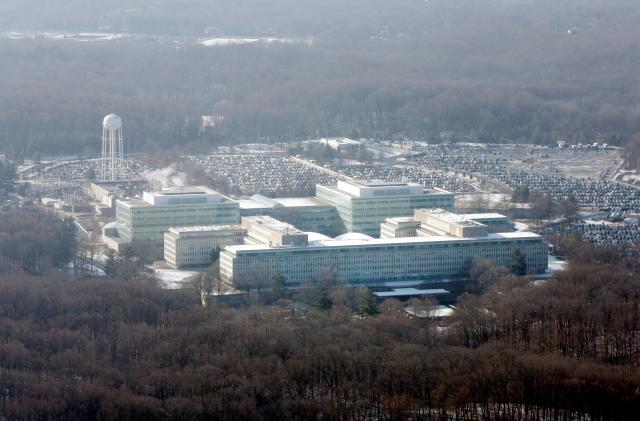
(112, 122)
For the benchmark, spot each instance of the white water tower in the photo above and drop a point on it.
(112, 149)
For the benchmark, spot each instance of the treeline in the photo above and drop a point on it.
(109, 349)
(492, 71)
(587, 313)
(35, 241)
(7, 177)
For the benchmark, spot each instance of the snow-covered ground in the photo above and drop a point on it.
(173, 278)
(556, 264)
(223, 41)
(77, 36)
(114, 36)
(521, 226)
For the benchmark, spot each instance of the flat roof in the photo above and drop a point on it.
(138, 203)
(390, 241)
(272, 224)
(251, 204)
(380, 183)
(483, 216)
(403, 219)
(287, 202)
(424, 190)
(205, 228)
(172, 191)
(406, 292)
(300, 202)
(453, 218)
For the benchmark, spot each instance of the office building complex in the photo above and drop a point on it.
(364, 205)
(193, 246)
(358, 258)
(146, 220)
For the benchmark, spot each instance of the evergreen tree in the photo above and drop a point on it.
(323, 301)
(91, 174)
(7, 176)
(278, 285)
(110, 267)
(215, 254)
(127, 251)
(518, 263)
(368, 305)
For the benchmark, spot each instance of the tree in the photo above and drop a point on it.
(255, 278)
(518, 262)
(110, 267)
(422, 306)
(323, 302)
(520, 194)
(542, 206)
(7, 176)
(127, 251)
(91, 174)
(214, 255)
(483, 274)
(278, 285)
(368, 305)
(567, 207)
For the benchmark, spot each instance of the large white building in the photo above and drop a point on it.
(364, 205)
(359, 258)
(146, 220)
(192, 246)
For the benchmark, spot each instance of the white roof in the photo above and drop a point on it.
(316, 236)
(299, 201)
(251, 204)
(403, 292)
(287, 202)
(206, 228)
(390, 241)
(403, 219)
(483, 216)
(354, 236)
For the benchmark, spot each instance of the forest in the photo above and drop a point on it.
(123, 348)
(35, 241)
(493, 71)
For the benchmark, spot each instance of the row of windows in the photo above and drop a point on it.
(387, 266)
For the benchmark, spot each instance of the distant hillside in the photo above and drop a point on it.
(530, 71)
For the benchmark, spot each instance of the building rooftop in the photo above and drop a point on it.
(402, 220)
(188, 195)
(172, 191)
(270, 224)
(379, 189)
(474, 216)
(262, 202)
(205, 228)
(377, 242)
(380, 183)
(292, 202)
(316, 236)
(450, 217)
(409, 292)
